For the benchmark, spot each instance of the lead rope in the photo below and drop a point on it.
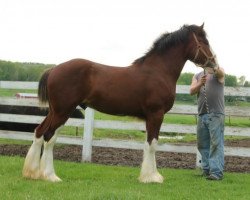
(205, 95)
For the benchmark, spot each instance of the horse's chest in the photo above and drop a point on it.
(168, 102)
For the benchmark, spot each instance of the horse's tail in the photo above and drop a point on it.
(42, 88)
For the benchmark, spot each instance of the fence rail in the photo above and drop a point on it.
(121, 125)
(177, 109)
(89, 123)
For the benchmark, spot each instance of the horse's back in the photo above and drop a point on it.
(82, 67)
(109, 89)
(82, 80)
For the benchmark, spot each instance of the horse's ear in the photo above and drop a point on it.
(202, 26)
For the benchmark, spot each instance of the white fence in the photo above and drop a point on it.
(90, 124)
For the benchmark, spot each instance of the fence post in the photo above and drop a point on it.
(88, 135)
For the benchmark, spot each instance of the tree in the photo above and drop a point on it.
(241, 81)
(230, 80)
(15, 71)
(185, 79)
(8, 71)
(247, 84)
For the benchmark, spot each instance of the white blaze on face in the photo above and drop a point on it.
(210, 70)
(214, 55)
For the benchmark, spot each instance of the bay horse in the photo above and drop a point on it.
(145, 89)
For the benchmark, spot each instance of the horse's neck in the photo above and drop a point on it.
(170, 63)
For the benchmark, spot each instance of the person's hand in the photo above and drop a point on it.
(203, 80)
(216, 69)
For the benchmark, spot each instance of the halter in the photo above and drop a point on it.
(208, 58)
(208, 61)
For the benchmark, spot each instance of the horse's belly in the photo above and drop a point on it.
(114, 106)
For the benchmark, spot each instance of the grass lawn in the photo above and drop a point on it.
(91, 181)
(12, 92)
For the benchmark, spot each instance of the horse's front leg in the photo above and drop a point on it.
(149, 171)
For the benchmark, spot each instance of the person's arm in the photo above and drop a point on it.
(220, 74)
(197, 84)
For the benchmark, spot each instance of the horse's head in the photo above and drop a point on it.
(201, 53)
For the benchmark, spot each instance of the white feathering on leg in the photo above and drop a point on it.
(32, 161)
(47, 171)
(149, 171)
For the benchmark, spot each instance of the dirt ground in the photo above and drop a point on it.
(128, 157)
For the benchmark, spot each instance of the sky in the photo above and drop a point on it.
(115, 32)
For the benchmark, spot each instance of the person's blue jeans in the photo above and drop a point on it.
(210, 142)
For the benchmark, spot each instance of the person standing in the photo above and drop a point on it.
(209, 88)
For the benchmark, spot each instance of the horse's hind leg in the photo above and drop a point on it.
(31, 168)
(149, 171)
(47, 171)
(36, 167)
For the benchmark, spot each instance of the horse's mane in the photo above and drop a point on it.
(168, 40)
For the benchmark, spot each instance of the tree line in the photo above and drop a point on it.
(17, 71)
(230, 80)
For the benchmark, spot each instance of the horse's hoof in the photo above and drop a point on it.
(52, 178)
(31, 174)
(55, 179)
(152, 178)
